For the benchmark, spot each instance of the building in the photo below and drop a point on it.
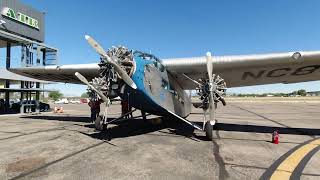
(23, 27)
(313, 93)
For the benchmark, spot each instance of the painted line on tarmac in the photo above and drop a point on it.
(292, 163)
(299, 169)
(288, 166)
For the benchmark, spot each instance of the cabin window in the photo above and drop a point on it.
(158, 65)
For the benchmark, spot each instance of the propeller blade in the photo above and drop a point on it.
(85, 81)
(209, 71)
(82, 78)
(209, 66)
(122, 73)
(223, 101)
(96, 46)
(211, 107)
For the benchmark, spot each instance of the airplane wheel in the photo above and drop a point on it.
(209, 130)
(98, 123)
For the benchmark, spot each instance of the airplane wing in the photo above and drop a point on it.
(63, 73)
(237, 71)
(247, 70)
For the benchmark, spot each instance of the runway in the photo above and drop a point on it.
(66, 146)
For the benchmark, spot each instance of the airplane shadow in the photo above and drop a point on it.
(134, 127)
(266, 129)
(128, 128)
(59, 118)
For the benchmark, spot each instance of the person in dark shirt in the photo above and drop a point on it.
(95, 108)
(2, 105)
(124, 107)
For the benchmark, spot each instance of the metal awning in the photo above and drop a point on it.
(17, 40)
(24, 90)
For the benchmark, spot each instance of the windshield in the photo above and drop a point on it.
(156, 61)
(146, 56)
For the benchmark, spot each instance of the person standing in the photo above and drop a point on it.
(124, 108)
(95, 108)
(2, 104)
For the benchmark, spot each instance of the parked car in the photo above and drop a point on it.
(42, 106)
(84, 101)
(62, 101)
(75, 102)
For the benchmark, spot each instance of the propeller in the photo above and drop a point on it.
(211, 90)
(98, 124)
(85, 81)
(122, 73)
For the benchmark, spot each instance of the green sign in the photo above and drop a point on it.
(22, 18)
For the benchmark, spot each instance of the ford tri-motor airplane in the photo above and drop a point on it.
(159, 86)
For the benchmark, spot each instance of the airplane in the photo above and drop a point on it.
(159, 87)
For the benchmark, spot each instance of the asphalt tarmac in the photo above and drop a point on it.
(66, 145)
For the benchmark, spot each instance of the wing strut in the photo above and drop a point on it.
(188, 122)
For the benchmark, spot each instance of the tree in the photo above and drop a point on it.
(55, 95)
(85, 95)
(302, 92)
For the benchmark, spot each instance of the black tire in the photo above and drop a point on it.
(209, 130)
(98, 123)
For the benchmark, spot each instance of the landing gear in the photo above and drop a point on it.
(211, 91)
(209, 129)
(101, 122)
(98, 123)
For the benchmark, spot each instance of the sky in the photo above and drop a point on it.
(171, 29)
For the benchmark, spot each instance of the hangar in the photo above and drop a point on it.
(22, 34)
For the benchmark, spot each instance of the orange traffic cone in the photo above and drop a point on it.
(61, 110)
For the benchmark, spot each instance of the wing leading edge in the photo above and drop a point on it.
(63, 73)
(247, 70)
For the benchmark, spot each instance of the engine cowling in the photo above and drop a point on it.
(109, 82)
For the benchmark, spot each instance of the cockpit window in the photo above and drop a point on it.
(157, 62)
(145, 55)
